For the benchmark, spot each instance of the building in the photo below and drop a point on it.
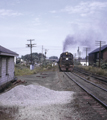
(6, 65)
(94, 55)
(83, 62)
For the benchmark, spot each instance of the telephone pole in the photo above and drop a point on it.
(31, 45)
(75, 58)
(46, 51)
(86, 54)
(42, 54)
(100, 44)
(79, 54)
(45, 54)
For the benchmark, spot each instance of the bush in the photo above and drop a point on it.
(95, 70)
(104, 66)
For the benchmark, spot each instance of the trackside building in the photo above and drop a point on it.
(6, 65)
(94, 55)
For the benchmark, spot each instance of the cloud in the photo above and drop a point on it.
(53, 11)
(88, 29)
(85, 8)
(98, 5)
(83, 14)
(4, 12)
(37, 21)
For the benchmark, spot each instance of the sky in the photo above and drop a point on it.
(57, 25)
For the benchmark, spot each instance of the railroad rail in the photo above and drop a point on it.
(97, 92)
(99, 77)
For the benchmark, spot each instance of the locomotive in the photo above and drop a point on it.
(65, 62)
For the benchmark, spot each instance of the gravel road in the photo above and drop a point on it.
(49, 96)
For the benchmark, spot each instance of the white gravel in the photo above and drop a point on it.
(37, 102)
(32, 94)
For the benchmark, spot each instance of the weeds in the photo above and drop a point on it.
(21, 70)
(94, 70)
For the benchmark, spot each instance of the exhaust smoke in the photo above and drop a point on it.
(81, 40)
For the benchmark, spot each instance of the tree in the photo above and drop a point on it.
(53, 57)
(36, 57)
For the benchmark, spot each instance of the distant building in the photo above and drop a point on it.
(6, 65)
(83, 62)
(53, 59)
(94, 55)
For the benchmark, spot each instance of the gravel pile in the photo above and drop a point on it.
(34, 95)
(35, 102)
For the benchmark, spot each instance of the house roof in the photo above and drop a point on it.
(83, 60)
(97, 49)
(7, 52)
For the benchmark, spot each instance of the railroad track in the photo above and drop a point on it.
(97, 92)
(101, 78)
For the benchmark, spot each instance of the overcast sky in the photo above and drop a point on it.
(51, 23)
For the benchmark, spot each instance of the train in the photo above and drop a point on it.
(65, 62)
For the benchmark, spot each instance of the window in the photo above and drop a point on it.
(0, 66)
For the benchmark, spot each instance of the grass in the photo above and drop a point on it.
(21, 70)
(94, 70)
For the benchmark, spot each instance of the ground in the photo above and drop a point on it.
(48, 96)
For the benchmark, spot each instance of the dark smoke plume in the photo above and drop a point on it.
(69, 42)
(81, 40)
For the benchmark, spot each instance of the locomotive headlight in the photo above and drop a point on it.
(66, 58)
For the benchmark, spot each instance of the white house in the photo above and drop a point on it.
(6, 65)
(83, 62)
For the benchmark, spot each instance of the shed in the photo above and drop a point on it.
(83, 62)
(94, 55)
(6, 65)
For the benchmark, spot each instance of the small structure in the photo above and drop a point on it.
(94, 55)
(53, 59)
(83, 62)
(6, 65)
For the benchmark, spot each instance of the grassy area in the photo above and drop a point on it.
(94, 70)
(21, 70)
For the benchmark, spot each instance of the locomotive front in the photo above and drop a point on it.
(66, 62)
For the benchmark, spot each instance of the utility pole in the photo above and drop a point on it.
(78, 51)
(86, 54)
(42, 49)
(45, 54)
(31, 45)
(75, 58)
(42, 54)
(100, 54)
(100, 44)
